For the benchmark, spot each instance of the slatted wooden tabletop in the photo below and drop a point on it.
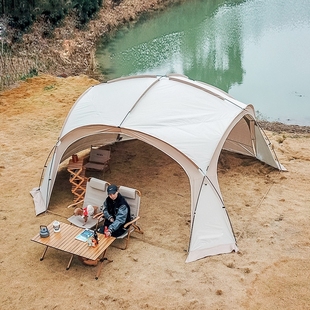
(64, 240)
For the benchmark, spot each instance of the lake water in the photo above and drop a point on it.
(256, 50)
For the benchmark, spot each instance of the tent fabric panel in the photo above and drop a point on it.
(235, 147)
(211, 227)
(106, 103)
(47, 185)
(198, 111)
(263, 151)
(240, 140)
(217, 92)
(212, 168)
(183, 116)
(64, 149)
(220, 249)
(61, 154)
(41, 194)
(39, 202)
(97, 139)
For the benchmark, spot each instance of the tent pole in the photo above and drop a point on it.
(45, 164)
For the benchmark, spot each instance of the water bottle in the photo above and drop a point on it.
(96, 237)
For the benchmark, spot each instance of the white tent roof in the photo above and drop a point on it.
(188, 120)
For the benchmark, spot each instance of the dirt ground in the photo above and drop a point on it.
(269, 212)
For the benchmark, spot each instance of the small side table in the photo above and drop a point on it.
(77, 179)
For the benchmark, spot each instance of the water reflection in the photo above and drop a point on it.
(255, 50)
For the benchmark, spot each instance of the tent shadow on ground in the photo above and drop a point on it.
(165, 203)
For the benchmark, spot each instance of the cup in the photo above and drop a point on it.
(56, 226)
(89, 242)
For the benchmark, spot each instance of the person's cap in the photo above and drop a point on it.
(112, 189)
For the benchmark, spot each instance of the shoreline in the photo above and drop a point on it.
(71, 52)
(278, 127)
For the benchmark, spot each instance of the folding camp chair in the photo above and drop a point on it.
(95, 195)
(98, 159)
(133, 197)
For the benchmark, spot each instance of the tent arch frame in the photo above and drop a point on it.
(188, 120)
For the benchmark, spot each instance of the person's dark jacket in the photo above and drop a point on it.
(119, 209)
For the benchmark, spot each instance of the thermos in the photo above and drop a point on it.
(96, 237)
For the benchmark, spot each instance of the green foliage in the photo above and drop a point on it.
(22, 13)
(54, 11)
(50, 87)
(33, 72)
(86, 9)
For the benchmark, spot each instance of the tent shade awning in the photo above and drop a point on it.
(188, 120)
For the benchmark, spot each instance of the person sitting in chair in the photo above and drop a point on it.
(116, 213)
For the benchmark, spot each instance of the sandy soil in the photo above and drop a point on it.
(269, 211)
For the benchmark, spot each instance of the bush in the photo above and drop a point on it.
(22, 13)
(54, 11)
(86, 9)
(32, 72)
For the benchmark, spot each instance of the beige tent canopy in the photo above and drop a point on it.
(188, 120)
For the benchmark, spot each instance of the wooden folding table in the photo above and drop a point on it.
(65, 241)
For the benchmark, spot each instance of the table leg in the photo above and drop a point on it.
(42, 257)
(70, 261)
(103, 258)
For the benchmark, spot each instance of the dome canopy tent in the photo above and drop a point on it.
(188, 120)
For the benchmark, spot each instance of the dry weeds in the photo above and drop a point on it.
(69, 51)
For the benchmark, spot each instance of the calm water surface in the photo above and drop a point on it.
(256, 50)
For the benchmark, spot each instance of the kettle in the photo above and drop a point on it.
(44, 233)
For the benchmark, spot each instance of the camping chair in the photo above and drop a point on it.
(98, 159)
(133, 197)
(95, 195)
